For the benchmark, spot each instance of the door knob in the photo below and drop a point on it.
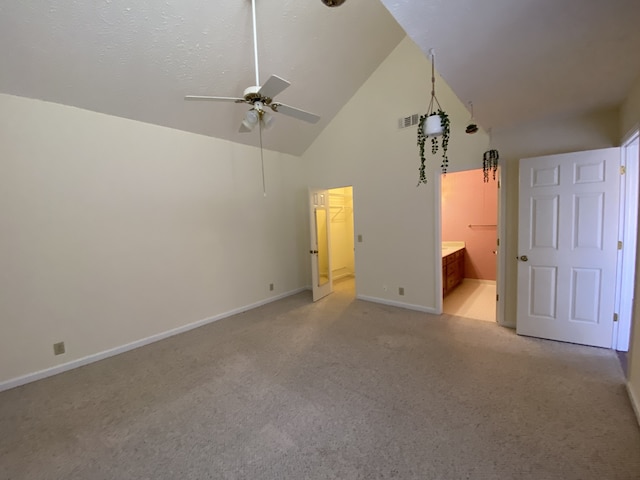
(524, 258)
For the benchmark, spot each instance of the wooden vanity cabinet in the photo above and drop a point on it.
(452, 271)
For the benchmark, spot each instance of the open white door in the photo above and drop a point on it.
(321, 281)
(567, 246)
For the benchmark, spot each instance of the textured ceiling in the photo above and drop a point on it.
(522, 60)
(516, 60)
(138, 58)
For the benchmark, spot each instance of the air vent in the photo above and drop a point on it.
(409, 121)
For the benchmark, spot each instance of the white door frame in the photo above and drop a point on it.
(501, 175)
(319, 201)
(627, 233)
(437, 237)
(311, 219)
(501, 273)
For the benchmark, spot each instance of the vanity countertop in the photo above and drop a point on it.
(451, 247)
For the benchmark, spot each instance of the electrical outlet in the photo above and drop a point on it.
(58, 348)
(401, 291)
(271, 287)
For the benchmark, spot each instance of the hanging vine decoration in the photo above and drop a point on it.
(422, 135)
(490, 163)
(422, 139)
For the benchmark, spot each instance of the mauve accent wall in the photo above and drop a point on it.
(467, 200)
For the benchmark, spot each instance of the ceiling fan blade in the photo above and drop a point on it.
(273, 86)
(295, 112)
(215, 99)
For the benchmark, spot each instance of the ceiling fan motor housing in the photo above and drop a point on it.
(252, 95)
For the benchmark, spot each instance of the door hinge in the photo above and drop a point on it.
(623, 169)
(619, 245)
(615, 317)
(497, 297)
(498, 242)
(498, 183)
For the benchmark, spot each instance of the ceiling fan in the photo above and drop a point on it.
(261, 97)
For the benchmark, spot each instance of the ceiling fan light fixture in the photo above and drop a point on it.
(251, 119)
(248, 126)
(267, 120)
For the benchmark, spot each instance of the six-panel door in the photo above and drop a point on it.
(567, 246)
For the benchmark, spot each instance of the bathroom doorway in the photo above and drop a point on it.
(469, 235)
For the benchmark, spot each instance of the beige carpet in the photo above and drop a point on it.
(340, 389)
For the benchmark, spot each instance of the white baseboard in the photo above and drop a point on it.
(393, 303)
(635, 403)
(49, 372)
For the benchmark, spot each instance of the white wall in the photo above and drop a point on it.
(115, 230)
(630, 111)
(363, 147)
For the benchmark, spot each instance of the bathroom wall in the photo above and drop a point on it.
(467, 200)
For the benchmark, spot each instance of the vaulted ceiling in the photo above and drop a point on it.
(529, 59)
(136, 59)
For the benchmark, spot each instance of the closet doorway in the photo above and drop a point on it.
(341, 240)
(469, 234)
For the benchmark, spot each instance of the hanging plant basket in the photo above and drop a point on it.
(490, 164)
(435, 124)
(438, 141)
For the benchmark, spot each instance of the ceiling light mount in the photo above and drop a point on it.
(472, 127)
(333, 3)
